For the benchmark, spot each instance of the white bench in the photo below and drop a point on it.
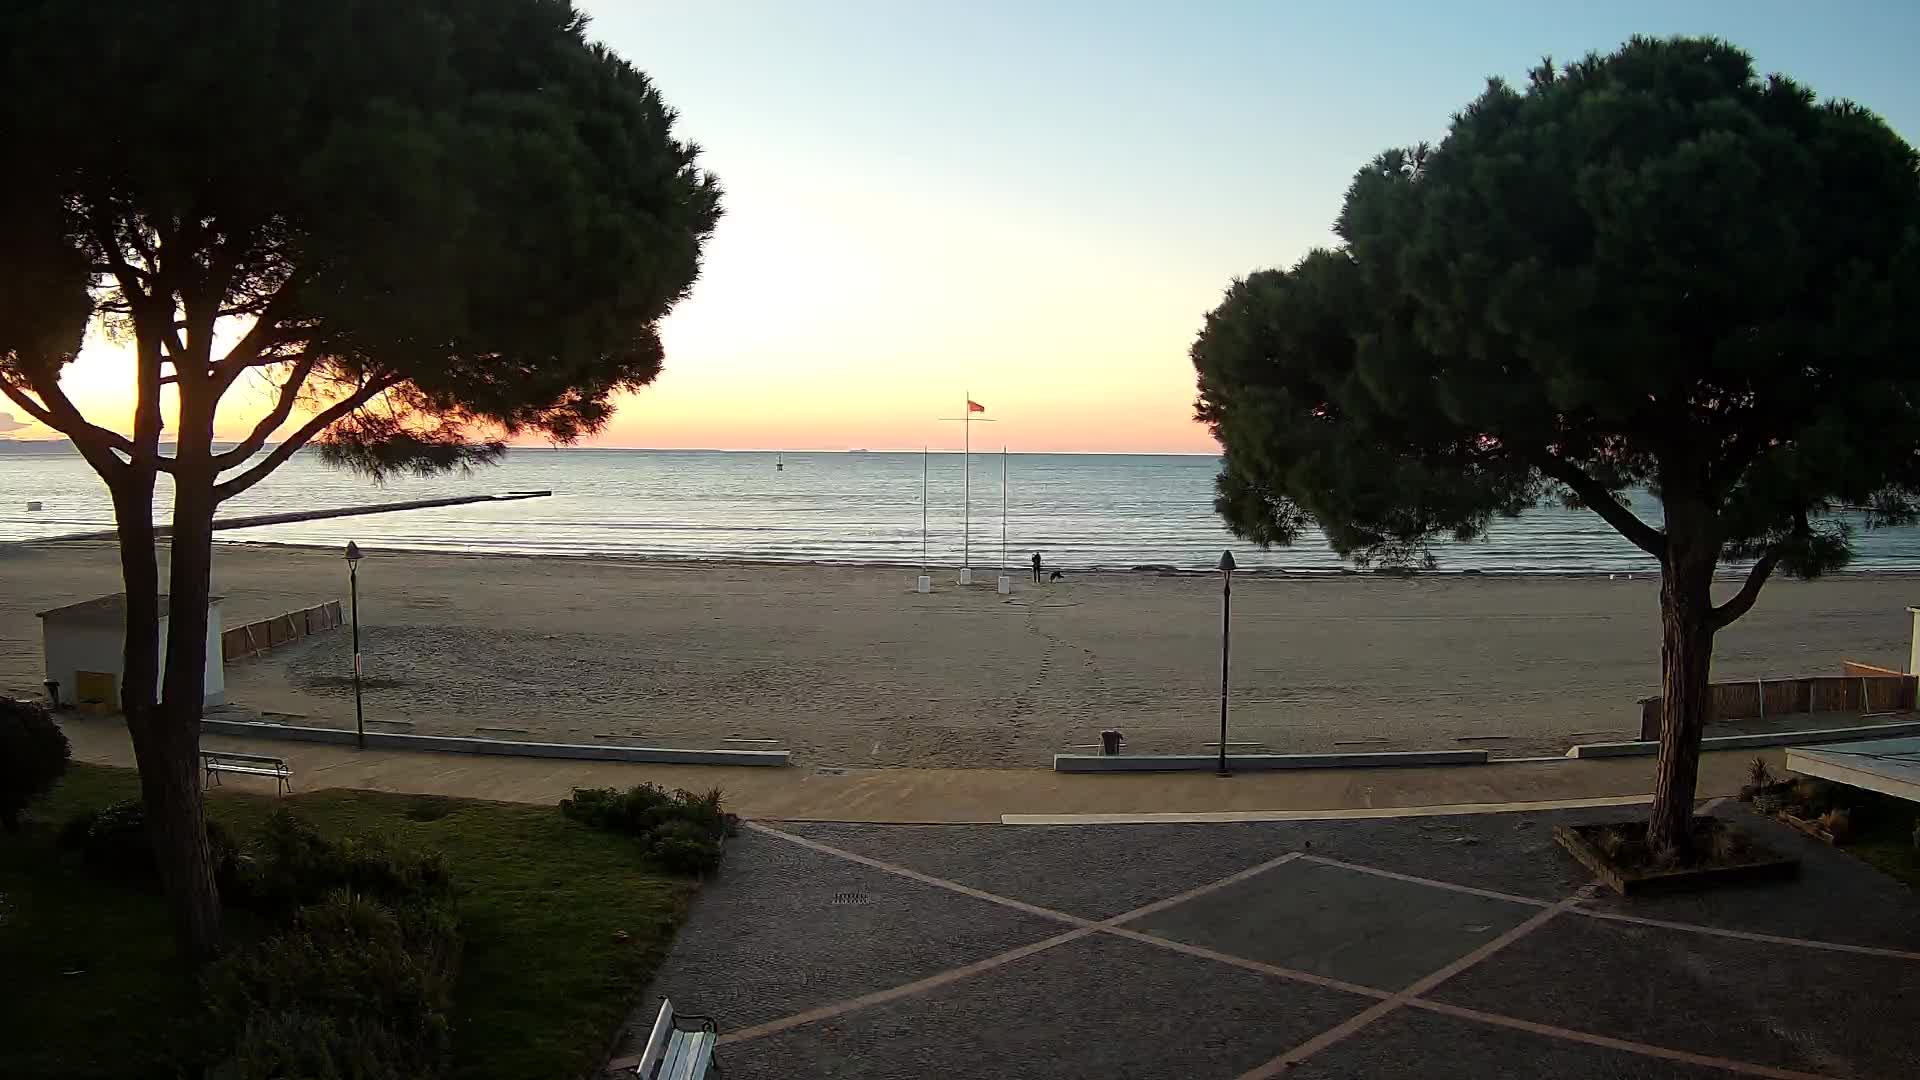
(216, 762)
(676, 1054)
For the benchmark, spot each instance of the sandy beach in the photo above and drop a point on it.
(848, 666)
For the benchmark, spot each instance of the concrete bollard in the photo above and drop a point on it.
(923, 583)
(1005, 585)
(966, 575)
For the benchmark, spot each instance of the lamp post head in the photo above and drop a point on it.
(353, 552)
(1226, 562)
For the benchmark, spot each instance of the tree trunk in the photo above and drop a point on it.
(181, 843)
(166, 754)
(1686, 667)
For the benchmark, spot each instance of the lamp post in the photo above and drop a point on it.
(1226, 637)
(353, 587)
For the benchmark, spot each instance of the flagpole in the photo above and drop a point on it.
(926, 453)
(1003, 508)
(966, 486)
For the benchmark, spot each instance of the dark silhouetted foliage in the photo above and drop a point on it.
(33, 755)
(1649, 268)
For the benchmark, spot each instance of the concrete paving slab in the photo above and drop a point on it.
(1095, 872)
(1327, 920)
(1836, 897)
(1833, 1014)
(782, 929)
(1099, 1008)
(1412, 1044)
(1511, 853)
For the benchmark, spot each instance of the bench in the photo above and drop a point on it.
(675, 1053)
(216, 762)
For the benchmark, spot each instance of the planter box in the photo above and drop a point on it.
(1756, 864)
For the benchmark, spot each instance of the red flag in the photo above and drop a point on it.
(974, 406)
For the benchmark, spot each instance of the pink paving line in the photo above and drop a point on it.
(1647, 1049)
(1379, 1009)
(924, 879)
(1745, 935)
(1242, 962)
(1429, 882)
(951, 975)
(920, 986)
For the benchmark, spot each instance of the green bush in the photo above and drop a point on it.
(293, 865)
(684, 847)
(33, 755)
(357, 989)
(113, 840)
(679, 830)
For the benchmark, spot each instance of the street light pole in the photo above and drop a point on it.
(1226, 638)
(353, 588)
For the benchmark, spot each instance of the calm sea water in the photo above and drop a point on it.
(1078, 510)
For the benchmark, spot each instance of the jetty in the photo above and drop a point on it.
(247, 521)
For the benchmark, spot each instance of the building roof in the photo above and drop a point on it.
(106, 610)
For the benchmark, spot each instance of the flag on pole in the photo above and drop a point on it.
(974, 406)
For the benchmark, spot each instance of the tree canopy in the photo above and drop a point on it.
(458, 209)
(1649, 268)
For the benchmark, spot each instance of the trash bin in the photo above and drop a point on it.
(1110, 742)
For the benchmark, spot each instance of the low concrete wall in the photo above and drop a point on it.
(385, 740)
(1748, 742)
(1102, 763)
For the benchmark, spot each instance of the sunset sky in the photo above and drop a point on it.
(1038, 202)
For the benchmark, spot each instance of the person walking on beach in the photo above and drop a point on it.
(1036, 568)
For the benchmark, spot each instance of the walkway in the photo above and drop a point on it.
(1424, 948)
(948, 795)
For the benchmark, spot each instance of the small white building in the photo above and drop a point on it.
(85, 644)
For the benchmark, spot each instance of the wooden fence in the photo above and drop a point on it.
(256, 638)
(1862, 688)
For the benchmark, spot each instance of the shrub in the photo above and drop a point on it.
(1838, 823)
(685, 847)
(33, 755)
(113, 840)
(680, 830)
(357, 989)
(294, 865)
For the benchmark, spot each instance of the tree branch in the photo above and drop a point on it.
(1601, 501)
(262, 431)
(227, 489)
(60, 414)
(1742, 601)
(96, 444)
(263, 333)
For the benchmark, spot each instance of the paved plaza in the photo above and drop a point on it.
(1430, 947)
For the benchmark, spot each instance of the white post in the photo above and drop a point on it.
(1006, 582)
(924, 583)
(966, 490)
(1913, 643)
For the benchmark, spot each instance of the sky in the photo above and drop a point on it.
(1036, 203)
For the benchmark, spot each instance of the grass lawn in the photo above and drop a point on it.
(1883, 833)
(93, 989)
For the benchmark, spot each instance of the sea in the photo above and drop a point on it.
(1079, 511)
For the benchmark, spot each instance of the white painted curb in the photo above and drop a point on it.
(1110, 763)
(386, 740)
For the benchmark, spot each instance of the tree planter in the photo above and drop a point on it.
(1628, 872)
(1809, 826)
